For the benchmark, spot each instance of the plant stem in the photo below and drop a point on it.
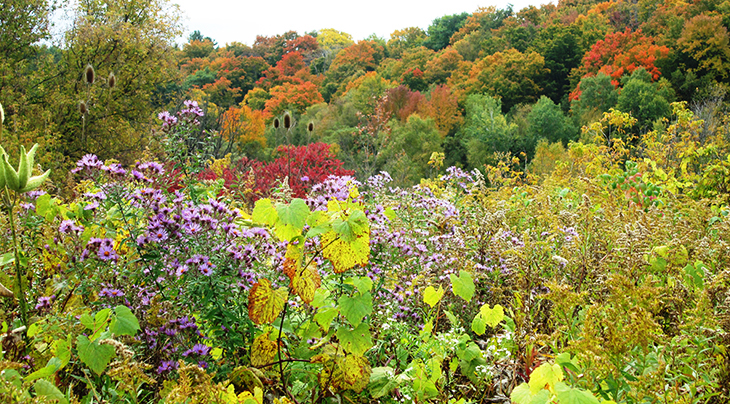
(18, 271)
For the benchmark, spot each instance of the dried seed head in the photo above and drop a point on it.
(112, 80)
(89, 74)
(310, 127)
(276, 123)
(287, 121)
(2, 114)
(82, 108)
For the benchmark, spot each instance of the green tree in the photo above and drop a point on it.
(485, 130)
(594, 96)
(546, 120)
(441, 30)
(646, 101)
(407, 154)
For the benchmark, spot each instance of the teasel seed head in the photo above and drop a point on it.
(82, 108)
(310, 127)
(89, 74)
(287, 121)
(112, 80)
(276, 123)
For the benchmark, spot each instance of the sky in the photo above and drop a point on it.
(228, 21)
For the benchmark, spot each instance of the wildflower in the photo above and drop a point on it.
(44, 301)
(109, 292)
(107, 253)
(166, 366)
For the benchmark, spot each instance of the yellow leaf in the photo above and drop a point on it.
(265, 303)
(343, 254)
(263, 350)
(303, 281)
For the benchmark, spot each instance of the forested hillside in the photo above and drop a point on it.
(525, 206)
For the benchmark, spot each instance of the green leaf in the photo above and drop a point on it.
(362, 283)
(43, 205)
(53, 365)
(478, 325)
(696, 274)
(44, 388)
(294, 213)
(521, 394)
(356, 308)
(431, 296)
(382, 381)
(463, 285)
(7, 258)
(93, 354)
(355, 225)
(546, 374)
(62, 350)
(325, 316)
(356, 341)
(124, 321)
(569, 395)
(492, 316)
(264, 212)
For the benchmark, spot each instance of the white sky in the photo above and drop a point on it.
(240, 21)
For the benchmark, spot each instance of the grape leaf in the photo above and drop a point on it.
(265, 303)
(569, 395)
(263, 350)
(124, 321)
(325, 316)
(294, 213)
(545, 375)
(346, 254)
(431, 296)
(44, 388)
(355, 308)
(492, 317)
(356, 341)
(463, 285)
(303, 282)
(94, 355)
(521, 394)
(264, 212)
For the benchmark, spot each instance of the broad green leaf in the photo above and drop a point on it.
(390, 213)
(479, 325)
(44, 388)
(94, 355)
(7, 258)
(463, 285)
(362, 283)
(695, 273)
(356, 341)
(216, 353)
(264, 212)
(265, 303)
(521, 394)
(294, 213)
(352, 226)
(546, 375)
(61, 349)
(492, 316)
(124, 321)
(43, 205)
(569, 395)
(542, 397)
(325, 316)
(382, 381)
(565, 361)
(263, 350)
(53, 365)
(431, 296)
(355, 308)
(33, 330)
(321, 297)
(286, 232)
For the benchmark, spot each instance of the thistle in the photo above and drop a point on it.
(20, 180)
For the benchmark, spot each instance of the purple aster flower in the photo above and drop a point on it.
(106, 253)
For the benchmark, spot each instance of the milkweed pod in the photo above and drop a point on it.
(89, 74)
(82, 107)
(35, 182)
(276, 123)
(112, 80)
(11, 176)
(287, 121)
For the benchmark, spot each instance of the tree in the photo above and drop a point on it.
(439, 69)
(441, 30)
(443, 108)
(404, 39)
(241, 125)
(406, 156)
(359, 58)
(705, 47)
(485, 130)
(592, 97)
(546, 120)
(646, 101)
(295, 97)
(132, 40)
